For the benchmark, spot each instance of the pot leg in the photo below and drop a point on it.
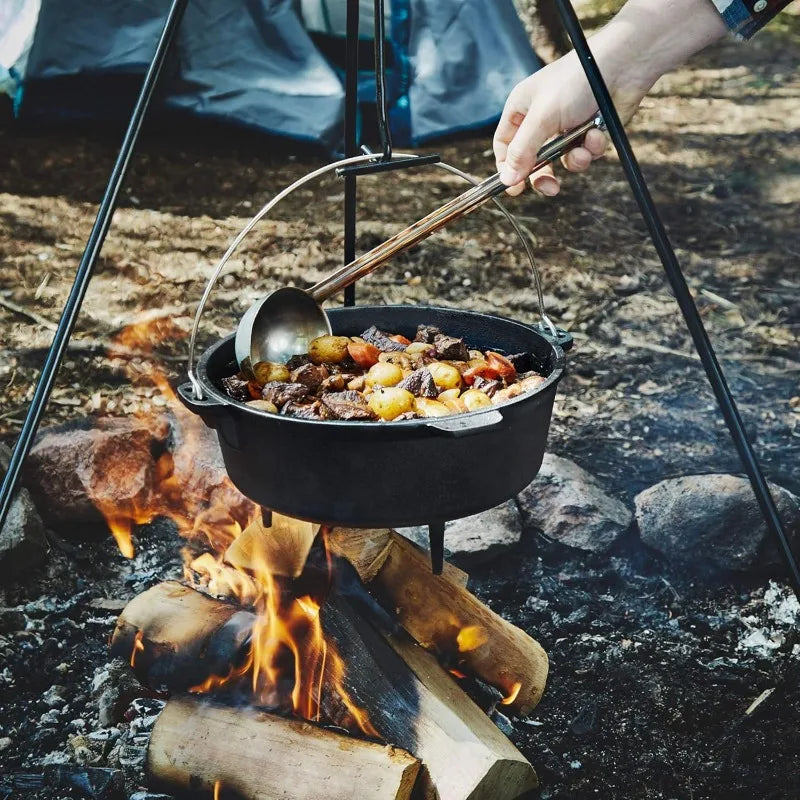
(436, 539)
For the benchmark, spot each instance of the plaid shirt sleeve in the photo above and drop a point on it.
(746, 17)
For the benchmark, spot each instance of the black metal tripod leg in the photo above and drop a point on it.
(93, 247)
(350, 140)
(679, 287)
(436, 540)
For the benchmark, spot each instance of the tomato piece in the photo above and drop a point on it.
(504, 368)
(480, 371)
(363, 353)
(398, 337)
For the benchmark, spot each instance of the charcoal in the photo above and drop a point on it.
(381, 340)
(315, 410)
(486, 385)
(420, 383)
(236, 388)
(427, 334)
(348, 405)
(98, 782)
(280, 393)
(450, 348)
(523, 362)
(310, 375)
(295, 362)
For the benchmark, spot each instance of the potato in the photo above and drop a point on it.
(445, 376)
(328, 349)
(418, 348)
(509, 393)
(431, 408)
(531, 382)
(266, 371)
(264, 405)
(384, 374)
(476, 355)
(389, 402)
(474, 399)
(451, 399)
(357, 384)
(402, 359)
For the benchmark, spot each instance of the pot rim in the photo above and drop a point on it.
(553, 378)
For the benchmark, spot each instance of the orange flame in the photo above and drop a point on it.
(471, 637)
(512, 696)
(217, 790)
(138, 645)
(289, 662)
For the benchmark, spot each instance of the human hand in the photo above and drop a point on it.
(646, 39)
(555, 99)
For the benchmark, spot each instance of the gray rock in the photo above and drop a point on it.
(713, 520)
(23, 543)
(476, 539)
(570, 507)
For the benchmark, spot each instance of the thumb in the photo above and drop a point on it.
(521, 154)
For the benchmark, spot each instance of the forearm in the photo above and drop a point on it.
(648, 38)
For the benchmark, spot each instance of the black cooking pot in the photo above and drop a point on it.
(390, 474)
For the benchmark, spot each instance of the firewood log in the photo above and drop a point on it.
(367, 549)
(462, 631)
(410, 700)
(415, 704)
(175, 637)
(202, 749)
(283, 546)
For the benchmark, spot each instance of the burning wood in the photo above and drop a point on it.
(199, 748)
(409, 699)
(447, 619)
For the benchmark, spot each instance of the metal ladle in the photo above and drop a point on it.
(284, 322)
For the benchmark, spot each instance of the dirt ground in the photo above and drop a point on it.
(719, 142)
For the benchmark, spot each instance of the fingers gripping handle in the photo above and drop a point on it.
(463, 204)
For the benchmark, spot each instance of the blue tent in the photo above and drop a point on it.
(264, 63)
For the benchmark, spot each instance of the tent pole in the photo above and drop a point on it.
(94, 245)
(350, 139)
(680, 289)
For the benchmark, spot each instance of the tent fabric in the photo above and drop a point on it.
(255, 62)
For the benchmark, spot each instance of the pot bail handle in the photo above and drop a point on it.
(491, 186)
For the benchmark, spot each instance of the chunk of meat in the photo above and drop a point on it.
(420, 383)
(348, 405)
(333, 383)
(381, 340)
(426, 333)
(450, 348)
(236, 387)
(487, 385)
(297, 361)
(310, 375)
(315, 410)
(280, 393)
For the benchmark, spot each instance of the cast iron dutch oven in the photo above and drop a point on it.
(386, 474)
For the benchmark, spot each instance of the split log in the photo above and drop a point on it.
(203, 749)
(410, 700)
(368, 549)
(452, 622)
(175, 637)
(283, 546)
(415, 704)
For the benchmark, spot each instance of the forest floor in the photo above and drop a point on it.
(719, 142)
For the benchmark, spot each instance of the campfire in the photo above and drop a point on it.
(298, 660)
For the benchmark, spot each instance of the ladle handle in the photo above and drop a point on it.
(458, 207)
